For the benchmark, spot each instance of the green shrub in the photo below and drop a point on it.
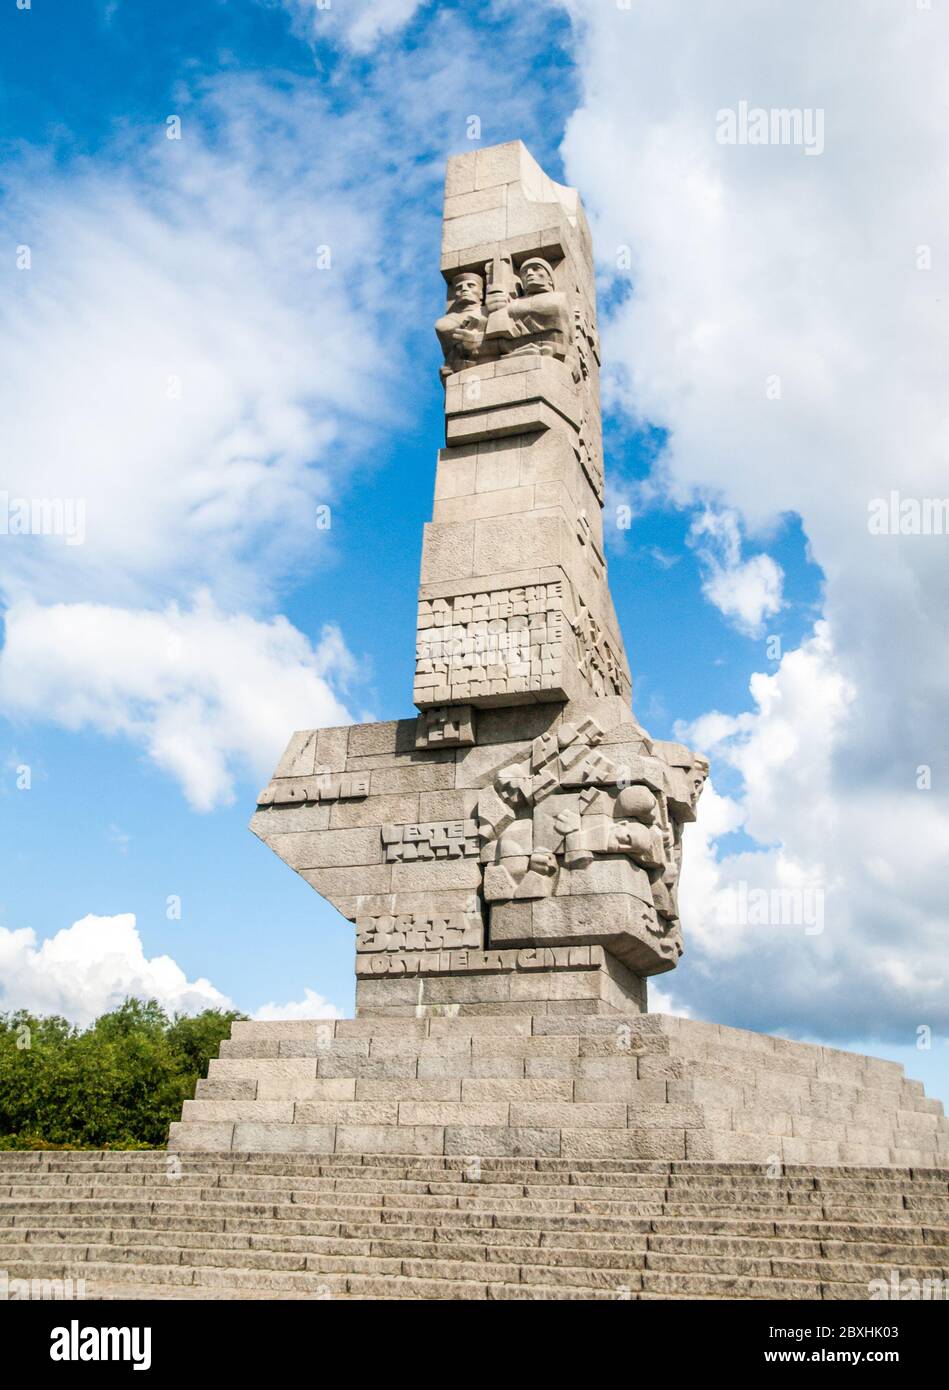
(117, 1084)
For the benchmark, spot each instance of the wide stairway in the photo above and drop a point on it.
(529, 1156)
(308, 1226)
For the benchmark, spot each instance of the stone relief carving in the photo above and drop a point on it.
(504, 313)
(435, 840)
(446, 726)
(461, 328)
(413, 931)
(570, 804)
(322, 786)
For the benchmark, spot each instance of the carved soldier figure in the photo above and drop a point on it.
(461, 329)
(540, 318)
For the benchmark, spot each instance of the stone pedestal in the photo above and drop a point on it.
(555, 1085)
(556, 980)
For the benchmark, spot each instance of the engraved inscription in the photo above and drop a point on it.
(450, 839)
(413, 931)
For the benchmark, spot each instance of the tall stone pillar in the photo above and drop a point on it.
(516, 845)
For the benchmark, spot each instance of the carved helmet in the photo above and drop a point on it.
(535, 260)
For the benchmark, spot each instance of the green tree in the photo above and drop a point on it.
(117, 1084)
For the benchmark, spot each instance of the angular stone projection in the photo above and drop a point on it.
(517, 845)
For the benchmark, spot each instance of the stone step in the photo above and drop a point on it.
(190, 1282)
(404, 1226)
(296, 1189)
(473, 1172)
(329, 1219)
(244, 1162)
(520, 1263)
(532, 1247)
(591, 1201)
(700, 1235)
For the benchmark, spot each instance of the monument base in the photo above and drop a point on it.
(549, 1084)
(554, 980)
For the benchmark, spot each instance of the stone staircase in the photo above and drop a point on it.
(559, 1086)
(513, 1156)
(308, 1226)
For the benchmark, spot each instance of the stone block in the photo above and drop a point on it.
(448, 551)
(510, 543)
(406, 1089)
(212, 1138)
(329, 849)
(460, 174)
(554, 1115)
(393, 1139)
(299, 757)
(622, 1143)
(436, 875)
(474, 200)
(262, 1137)
(231, 1111)
(442, 1113)
(413, 777)
(398, 807)
(348, 1112)
(392, 736)
(508, 1089)
(475, 228)
(503, 1141)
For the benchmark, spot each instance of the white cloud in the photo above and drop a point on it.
(176, 360)
(91, 967)
(746, 591)
(312, 1005)
(176, 357)
(209, 696)
(782, 333)
(361, 24)
(855, 941)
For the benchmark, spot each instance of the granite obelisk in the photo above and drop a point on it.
(519, 840)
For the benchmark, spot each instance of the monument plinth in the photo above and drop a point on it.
(518, 842)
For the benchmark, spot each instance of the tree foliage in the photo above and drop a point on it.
(117, 1084)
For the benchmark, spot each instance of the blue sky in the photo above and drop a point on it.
(149, 674)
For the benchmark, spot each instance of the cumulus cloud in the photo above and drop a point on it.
(91, 967)
(208, 695)
(782, 329)
(312, 1005)
(831, 912)
(360, 24)
(186, 353)
(745, 591)
(182, 368)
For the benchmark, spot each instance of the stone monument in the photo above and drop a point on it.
(509, 855)
(519, 840)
